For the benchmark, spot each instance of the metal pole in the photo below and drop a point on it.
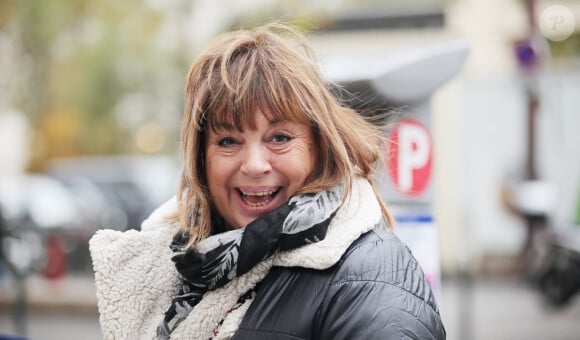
(19, 311)
(536, 224)
(532, 102)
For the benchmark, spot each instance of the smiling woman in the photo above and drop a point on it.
(252, 171)
(276, 231)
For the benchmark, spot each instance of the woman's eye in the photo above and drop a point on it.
(279, 139)
(225, 142)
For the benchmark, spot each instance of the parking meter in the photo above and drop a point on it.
(404, 83)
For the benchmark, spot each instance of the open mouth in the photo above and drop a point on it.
(258, 198)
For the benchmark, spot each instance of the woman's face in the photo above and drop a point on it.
(252, 172)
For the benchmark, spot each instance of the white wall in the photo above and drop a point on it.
(559, 134)
(14, 143)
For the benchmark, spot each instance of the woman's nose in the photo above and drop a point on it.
(256, 161)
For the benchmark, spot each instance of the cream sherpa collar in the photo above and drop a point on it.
(136, 279)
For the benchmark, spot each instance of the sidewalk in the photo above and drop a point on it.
(504, 308)
(71, 293)
(499, 308)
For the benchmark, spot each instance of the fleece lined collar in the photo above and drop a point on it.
(359, 214)
(135, 277)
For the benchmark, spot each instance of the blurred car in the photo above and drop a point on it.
(49, 218)
(44, 227)
(127, 188)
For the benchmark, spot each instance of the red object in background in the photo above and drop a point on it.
(56, 262)
(410, 157)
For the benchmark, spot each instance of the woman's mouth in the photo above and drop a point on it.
(256, 199)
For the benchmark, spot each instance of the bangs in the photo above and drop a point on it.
(250, 79)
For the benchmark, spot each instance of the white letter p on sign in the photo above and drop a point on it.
(414, 150)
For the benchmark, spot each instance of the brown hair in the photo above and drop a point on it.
(263, 69)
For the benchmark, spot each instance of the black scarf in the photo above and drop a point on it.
(222, 257)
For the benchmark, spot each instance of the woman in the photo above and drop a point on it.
(276, 231)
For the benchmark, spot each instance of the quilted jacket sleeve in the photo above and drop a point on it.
(379, 292)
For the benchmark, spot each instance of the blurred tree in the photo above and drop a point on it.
(78, 60)
(566, 49)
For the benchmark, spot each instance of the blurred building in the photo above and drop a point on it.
(482, 133)
(480, 120)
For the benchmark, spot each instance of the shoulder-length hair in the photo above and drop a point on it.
(270, 68)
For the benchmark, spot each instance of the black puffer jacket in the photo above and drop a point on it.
(376, 291)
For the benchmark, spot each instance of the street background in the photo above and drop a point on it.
(484, 308)
(90, 108)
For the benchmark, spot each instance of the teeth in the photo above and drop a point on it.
(255, 205)
(261, 193)
(258, 194)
